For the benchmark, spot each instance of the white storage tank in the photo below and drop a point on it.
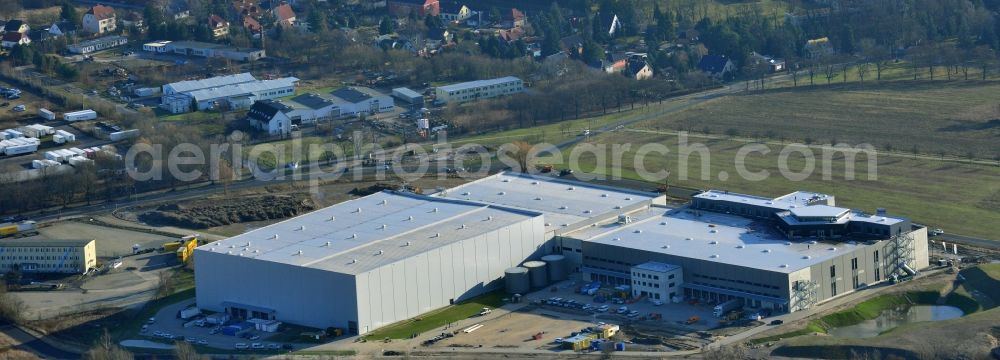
(556, 265)
(538, 274)
(516, 280)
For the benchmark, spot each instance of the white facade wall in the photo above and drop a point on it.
(378, 104)
(448, 274)
(299, 295)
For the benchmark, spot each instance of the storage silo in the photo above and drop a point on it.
(538, 274)
(517, 280)
(557, 267)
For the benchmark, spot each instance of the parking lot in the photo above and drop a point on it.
(166, 326)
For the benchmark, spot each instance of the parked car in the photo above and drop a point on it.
(603, 308)
(777, 322)
(257, 346)
(657, 302)
(241, 346)
(254, 337)
(202, 342)
(19, 108)
(151, 320)
(214, 331)
(623, 309)
(158, 333)
(4, 104)
(937, 232)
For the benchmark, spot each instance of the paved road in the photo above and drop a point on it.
(32, 344)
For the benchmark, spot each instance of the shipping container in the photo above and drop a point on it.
(46, 114)
(143, 92)
(20, 149)
(189, 313)
(76, 151)
(53, 155)
(58, 139)
(66, 135)
(80, 115)
(122, 135)
(79, 160)
(15, 134)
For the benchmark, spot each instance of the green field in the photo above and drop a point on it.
(949, 195)
(953, 117)
(439, 318)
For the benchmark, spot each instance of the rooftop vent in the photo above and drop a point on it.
(538, 198)
(273, 237)
(301, 227)
(327, 244)
(768, 202)
(713, 242)
(298, 252)
(628, 198)
(564, 225)
(564, 207)
(766, 251)
(663, 223)
(248, 244)
(713, 231)
(714, 256)
(229, 252)
(332, 218)
(806, 257)
(739, 246)
(548, 224)
(466, 193)
(618, 207)
(502, 193)
(463, 226)
(380, 252)
(231, 246)
(783, 265)
(384, 226)
(638, 231)
(359, 210)
(604, 195)
(832, 249)
(812, 242)
(354, 261)
(616, 239)
(587, 211)
(354, 236)
(256, 251)
(437, 235)
(688, 239)
(506, 180)
(666, 246)
(407, 244)
(409, 218)
(534, 183)
(788, 242)
(385, 201)
(488, 218)
(434, 210)
(571, 188)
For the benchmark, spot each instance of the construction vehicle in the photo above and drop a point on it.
(485, 311)
(693, 320)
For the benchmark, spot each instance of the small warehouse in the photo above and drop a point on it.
(408, 96)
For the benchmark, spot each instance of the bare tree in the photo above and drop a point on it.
(830, 72)
(184, 351)
(164, 284)
(862, 69)
(107, 349)
(12, 308)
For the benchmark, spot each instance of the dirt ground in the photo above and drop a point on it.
(210, 213)
(9, 118)
(111, 242)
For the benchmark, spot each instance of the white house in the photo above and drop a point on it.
(100, 19)
(270, 116)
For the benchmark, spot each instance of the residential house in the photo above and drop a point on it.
(437, 38)
(817, 48)
(510, 35)
(572, 45)
(17, 26)
(403, 8)
(62, 28)
(100, 19)
(219, 26)
(612, 63)
(12, 39)
(252, 25)
(512, 18)
(178, 9)
(284, 16)
(773, 65)
(716, 66)
(455, 11)
(639, 69)
(271, 117)
(246, 8)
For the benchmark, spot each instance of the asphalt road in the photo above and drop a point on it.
(35, 345)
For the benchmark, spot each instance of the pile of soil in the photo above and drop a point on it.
(206, 214)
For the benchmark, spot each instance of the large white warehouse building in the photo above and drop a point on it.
(366, 263)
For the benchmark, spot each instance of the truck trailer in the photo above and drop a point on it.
(46, 114)
(723, 308)
(80, 115)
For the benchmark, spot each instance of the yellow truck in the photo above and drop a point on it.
(186, 247)
(23, 228)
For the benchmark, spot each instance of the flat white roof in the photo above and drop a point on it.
(818, 211)
(563, 202)
(656, 267)
(720, 238)
(242, 89)
(478, 83)
(366, 233)
(785, 202)
(192, 85)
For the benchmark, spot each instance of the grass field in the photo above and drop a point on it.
(432, 320)
(952, 196)
(891, 71)
(954, 117)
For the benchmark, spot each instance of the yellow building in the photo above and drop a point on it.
(48, 256)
